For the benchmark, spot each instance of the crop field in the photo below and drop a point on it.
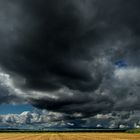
(69, 136)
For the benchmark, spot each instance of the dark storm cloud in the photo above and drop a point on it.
(6, 97)
(87, 105)
(50, 52)
(65, 53)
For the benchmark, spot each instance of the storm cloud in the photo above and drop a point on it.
(71, 56)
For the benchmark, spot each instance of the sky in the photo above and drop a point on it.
(15, 109)
(69, 63)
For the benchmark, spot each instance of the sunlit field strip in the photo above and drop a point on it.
(69, 136)
(24, 136)
(101, 136)
(17, 136)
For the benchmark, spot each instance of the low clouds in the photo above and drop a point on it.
(52, 120)
(38, 119)
(63, 56)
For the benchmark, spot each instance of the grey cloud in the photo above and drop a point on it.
(50, 120)
(8, 93)
(114, 120)
(35, 120)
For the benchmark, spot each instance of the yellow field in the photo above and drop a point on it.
(69, 136)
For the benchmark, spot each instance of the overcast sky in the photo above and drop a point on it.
(76, 59)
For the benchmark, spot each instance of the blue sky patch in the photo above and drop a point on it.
(15, 109)
(121, 63)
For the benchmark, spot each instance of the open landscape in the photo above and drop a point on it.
(69, 69)
(69, 136)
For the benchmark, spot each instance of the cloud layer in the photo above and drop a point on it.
(71, 57)
(52, 120)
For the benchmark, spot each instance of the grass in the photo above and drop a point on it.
(133, 131)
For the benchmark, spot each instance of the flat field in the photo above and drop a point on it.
(69, 136)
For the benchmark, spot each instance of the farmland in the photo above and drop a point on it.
(69, 136)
